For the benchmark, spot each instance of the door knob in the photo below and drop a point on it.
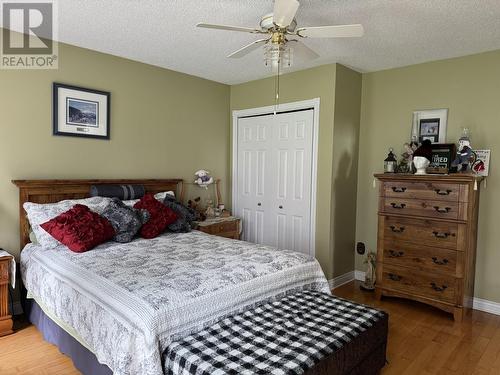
(281, 206)
(259, 204)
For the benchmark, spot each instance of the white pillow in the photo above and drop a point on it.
(38, 213)
(159, 196)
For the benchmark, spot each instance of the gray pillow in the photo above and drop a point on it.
(125, 220)
(123, 192)
(185, 215)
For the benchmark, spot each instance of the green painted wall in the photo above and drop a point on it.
(163, 124)
(345, 168)
(308, 84)
(470, 88)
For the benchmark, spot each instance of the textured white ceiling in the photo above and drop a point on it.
(163, 32)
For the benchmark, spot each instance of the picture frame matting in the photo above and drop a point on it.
(80, 112)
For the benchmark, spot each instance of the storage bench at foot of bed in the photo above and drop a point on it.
(307, 332)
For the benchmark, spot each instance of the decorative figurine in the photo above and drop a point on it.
(422, 157)
(203, 179)
(370, 275)
(406, 159)
(195, 206)
(465, 155)
(414, 143)
(210, 211)
(390, 163)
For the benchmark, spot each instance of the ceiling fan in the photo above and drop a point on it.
(283, 37)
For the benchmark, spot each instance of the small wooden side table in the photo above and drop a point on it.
(5, 317)
(229, 227)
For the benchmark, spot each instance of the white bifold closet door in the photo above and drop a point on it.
(274, 179)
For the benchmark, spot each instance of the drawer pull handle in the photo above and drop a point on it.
(443, 210)
(396, 254)
(442, 192)
(397, 230)
(439, 288)
(394, 277)
(259, 204)
(440, 262)
(398, 189)
(399, 206)
(280, 207)
(443, 235)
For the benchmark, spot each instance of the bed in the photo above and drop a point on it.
(114, 307)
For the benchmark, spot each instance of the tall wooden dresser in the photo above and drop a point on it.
(427, 230)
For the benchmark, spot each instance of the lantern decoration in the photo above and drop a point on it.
(390, 163)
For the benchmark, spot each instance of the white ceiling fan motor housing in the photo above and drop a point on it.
(266, 23)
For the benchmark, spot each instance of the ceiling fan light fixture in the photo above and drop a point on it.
(278, 57)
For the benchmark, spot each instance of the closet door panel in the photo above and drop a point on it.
(292, 151)
(254, 179)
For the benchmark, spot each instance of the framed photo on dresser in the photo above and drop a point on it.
(80, 112)
(442, 156)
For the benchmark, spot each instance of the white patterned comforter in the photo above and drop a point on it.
(127, 302)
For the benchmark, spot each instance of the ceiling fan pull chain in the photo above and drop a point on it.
(277, 85)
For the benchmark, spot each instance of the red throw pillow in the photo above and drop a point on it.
(79, 228)
(160, 216)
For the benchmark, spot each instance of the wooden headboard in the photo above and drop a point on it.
(51, 191)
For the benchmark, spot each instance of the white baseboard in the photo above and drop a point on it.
(346, 278)
(341, 280)
(359, 275)
(486, 306)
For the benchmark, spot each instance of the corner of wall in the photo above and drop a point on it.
(347, 109)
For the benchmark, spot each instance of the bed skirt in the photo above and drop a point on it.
(83, 359)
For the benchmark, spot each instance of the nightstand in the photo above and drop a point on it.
(5, 318)
(228, 227)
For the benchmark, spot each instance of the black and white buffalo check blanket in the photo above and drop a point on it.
(287, 336)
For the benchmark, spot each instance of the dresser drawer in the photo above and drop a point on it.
(419, 207)
(424, 258)
(424, 232)
(233, 235)
(230, 226)
(420, 283)
(218, 228)
(424, 190)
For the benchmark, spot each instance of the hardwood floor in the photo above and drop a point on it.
(422, 341)
(25, 352)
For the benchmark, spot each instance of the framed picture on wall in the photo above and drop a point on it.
(430, 124)
(80, 112)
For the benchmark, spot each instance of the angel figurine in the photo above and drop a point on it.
(370, 276)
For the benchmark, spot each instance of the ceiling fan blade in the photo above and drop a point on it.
(248, 48)
(302, 51)
(230, 28)
(284, 12)
(341, 31)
